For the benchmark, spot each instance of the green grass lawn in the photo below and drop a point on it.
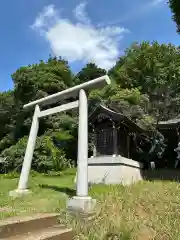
(146, 210)
(49, 194)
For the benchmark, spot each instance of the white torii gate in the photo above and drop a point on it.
(81, 200)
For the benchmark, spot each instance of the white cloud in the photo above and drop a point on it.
(46, 17)
(81, 40)
(81, 14)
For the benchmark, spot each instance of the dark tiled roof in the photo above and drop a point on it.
(118, 117)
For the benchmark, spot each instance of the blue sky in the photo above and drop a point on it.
(97, 31)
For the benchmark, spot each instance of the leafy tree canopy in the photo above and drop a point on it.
(39, 80)
(154, 69)
(89, 72)
(146, 89)
(175, 8)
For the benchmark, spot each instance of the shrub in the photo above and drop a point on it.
(46, 156)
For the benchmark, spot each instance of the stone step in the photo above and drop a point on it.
(20, 225)
(51, 233)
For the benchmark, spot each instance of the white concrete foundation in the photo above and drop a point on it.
(113, 170)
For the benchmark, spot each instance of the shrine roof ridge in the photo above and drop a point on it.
(119, 117)
(169, 123)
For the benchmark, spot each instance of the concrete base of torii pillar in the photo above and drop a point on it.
(19, 193)
(84, 205)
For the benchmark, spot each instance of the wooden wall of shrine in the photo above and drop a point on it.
(111, 138)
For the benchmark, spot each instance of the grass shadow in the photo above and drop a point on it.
(69, 191)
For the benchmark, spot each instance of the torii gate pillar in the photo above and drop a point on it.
(82, 202)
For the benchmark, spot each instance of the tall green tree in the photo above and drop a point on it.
(154, 69)
(175, 8)
(30, 83)
(89, 72)
(130, 102)
(39, 80)
(7, 115)
(36, 81)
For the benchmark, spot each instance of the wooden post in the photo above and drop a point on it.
(128, 145)
(178, 135)
(115, 148)
(94, 151)
(94, 145)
